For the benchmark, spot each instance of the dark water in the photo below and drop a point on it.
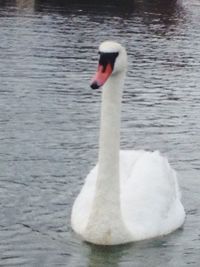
(49, 121)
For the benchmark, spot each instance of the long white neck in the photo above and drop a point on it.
(105, 220)
(109, 145)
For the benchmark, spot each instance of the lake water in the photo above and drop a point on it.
(49, 122)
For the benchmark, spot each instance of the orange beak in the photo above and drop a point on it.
(101, 76)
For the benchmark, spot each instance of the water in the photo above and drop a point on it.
(49, 122)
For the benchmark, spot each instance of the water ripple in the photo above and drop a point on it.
(49, 121)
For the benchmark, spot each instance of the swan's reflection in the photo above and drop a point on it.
(144, 253)
(106, 255)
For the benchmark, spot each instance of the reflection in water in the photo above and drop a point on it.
(137, 254)
(156, 12)
(161, 13)
(49, 121)
(106, 255)
(28, 4)
(144, 7)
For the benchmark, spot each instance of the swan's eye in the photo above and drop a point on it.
(107, 58)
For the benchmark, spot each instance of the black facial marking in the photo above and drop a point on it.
(107, 58)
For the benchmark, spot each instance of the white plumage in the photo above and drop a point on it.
(129, 195)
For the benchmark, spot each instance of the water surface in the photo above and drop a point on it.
(49, 122)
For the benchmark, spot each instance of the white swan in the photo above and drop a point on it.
(131, 195)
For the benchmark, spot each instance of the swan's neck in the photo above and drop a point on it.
(109, 145)
(105, 220)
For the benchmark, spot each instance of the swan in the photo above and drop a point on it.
(129, 195)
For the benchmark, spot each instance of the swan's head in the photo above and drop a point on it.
(112, 61)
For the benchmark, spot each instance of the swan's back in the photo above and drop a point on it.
(150, 197)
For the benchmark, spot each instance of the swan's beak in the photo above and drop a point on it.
(101, 76)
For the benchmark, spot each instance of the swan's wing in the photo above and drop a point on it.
(83, 203)
(150, 198)
(128, 159)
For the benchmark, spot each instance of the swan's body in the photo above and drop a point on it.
(129, 195)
